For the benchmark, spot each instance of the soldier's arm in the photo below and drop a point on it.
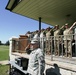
(41, 61)
(27, 47)
(72, 26)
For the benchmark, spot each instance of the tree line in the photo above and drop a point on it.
(6, 43)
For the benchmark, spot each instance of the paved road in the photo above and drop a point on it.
(5, 62)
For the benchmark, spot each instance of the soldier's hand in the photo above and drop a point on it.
(74, 23)
(62, 27)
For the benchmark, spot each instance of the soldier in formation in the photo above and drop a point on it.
(57, 39)
(49, 33)
(42, 39)
(68, 38)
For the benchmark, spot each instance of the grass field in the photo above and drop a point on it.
(4, 55)
(4, 69)
(4, 52)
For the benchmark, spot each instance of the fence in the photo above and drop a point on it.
(58, 47)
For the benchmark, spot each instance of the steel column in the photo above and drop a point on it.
(39, 23)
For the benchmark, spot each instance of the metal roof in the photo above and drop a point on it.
(51, 11)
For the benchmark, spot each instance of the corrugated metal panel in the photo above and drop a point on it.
(52, 11)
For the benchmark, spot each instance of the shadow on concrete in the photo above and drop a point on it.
(53, 71)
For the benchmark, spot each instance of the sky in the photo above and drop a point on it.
(12, 24)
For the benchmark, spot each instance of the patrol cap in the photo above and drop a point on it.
(48, 27)
(56, 25)
(66, 24)
(34, 41)
(42, 29)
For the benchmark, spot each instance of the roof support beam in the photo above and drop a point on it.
(39, 23)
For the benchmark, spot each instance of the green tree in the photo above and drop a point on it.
(7, 42)
(0, 43)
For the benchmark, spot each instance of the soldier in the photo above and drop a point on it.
(48, 40)
(57, 39)
(36, 63)
(32, 34)
(68, 37)
(28, 34)
(42, 39)
(36, 35)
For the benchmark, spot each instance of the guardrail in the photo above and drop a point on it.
(59, 46)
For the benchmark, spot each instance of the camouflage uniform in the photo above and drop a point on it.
(48, 42)
(56, 41)
(42, 39)
(36, 62)
(67, 41)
